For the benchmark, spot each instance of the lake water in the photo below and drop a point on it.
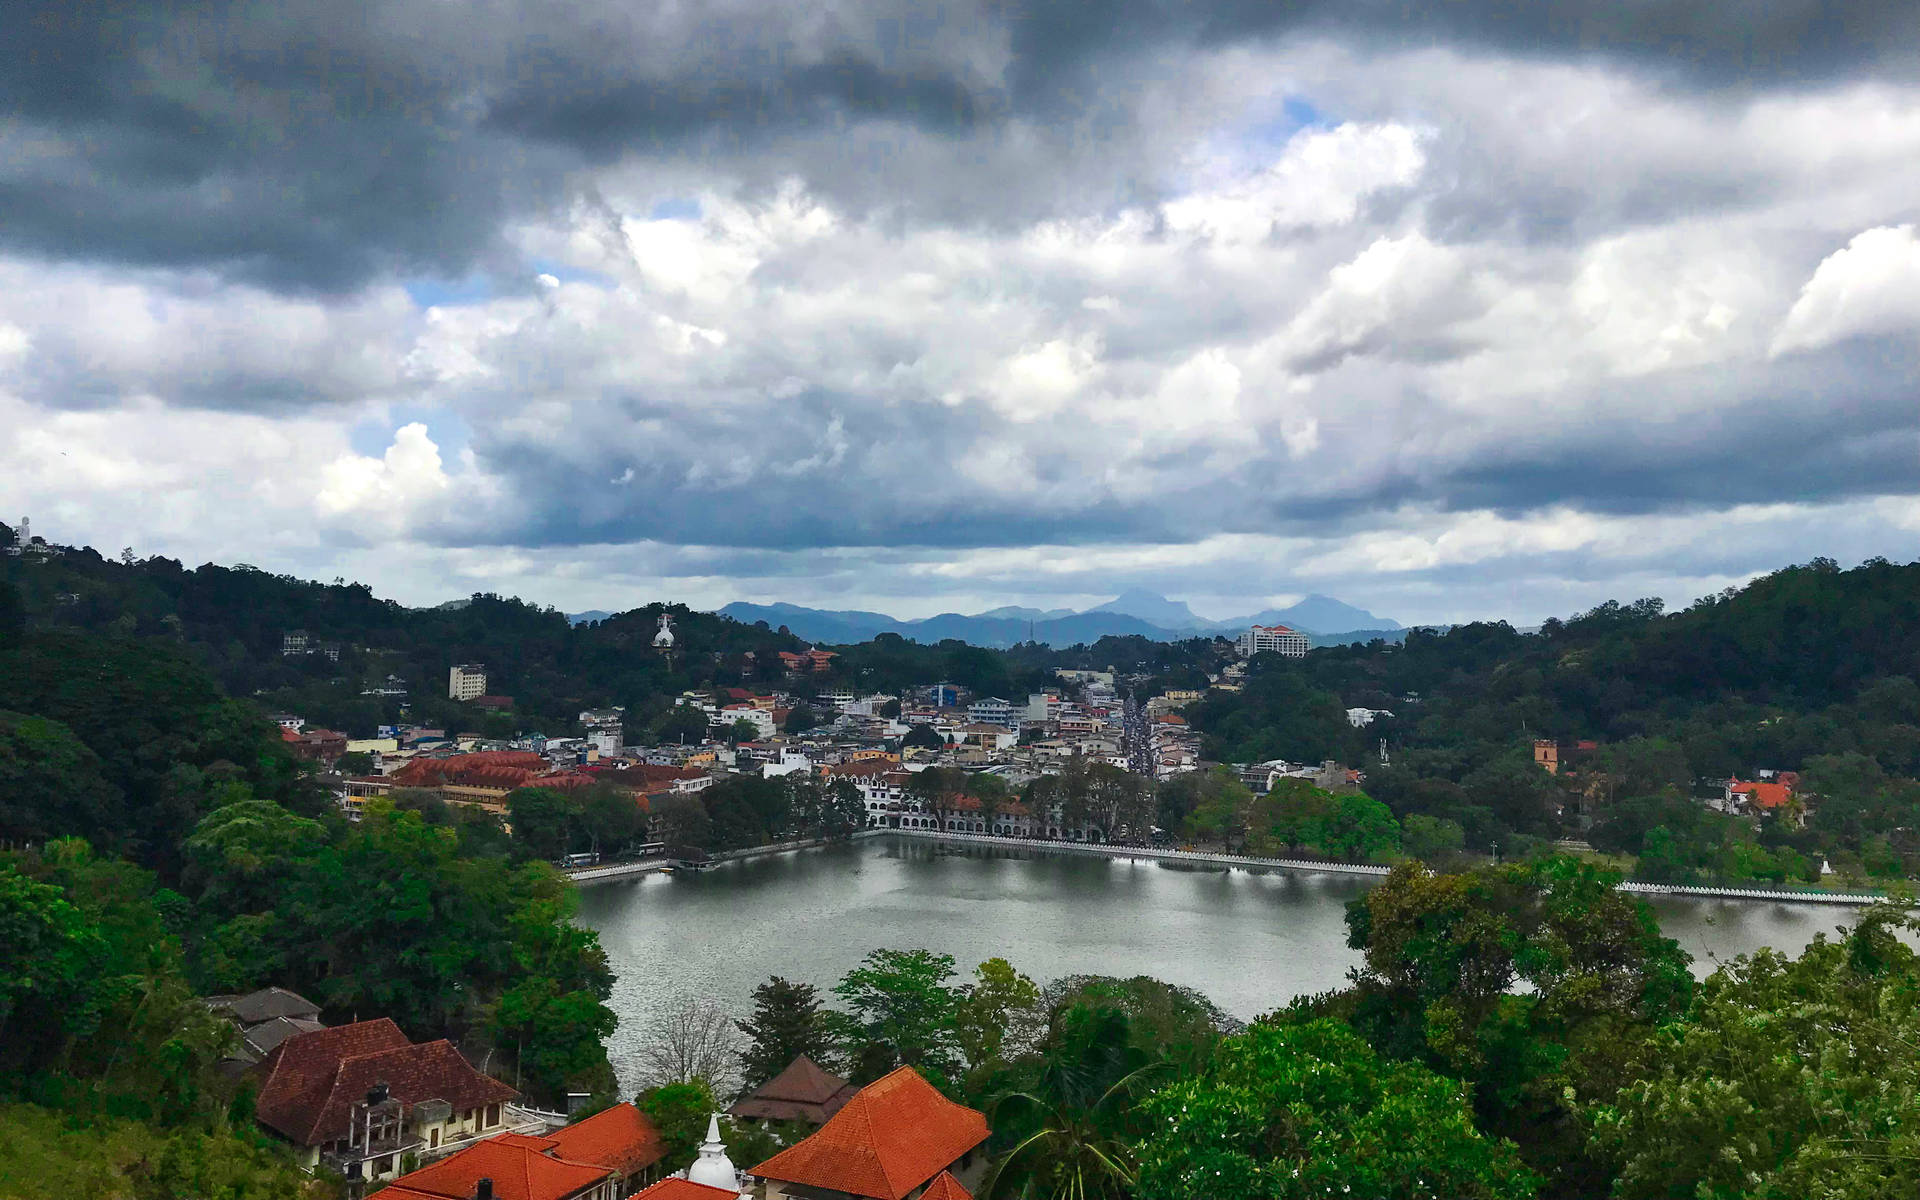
(1251, 942)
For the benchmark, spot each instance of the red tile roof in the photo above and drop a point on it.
(310, 1082)
(894, 1135)
(855, 770)
(518, 1171)
(503, 769)
(945, 1187)
(1763, 795)
(296, 1075)
(620, 1138)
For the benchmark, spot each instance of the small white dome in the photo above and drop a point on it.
(713, 1167)
(664, 638)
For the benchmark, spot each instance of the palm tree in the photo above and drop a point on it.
(1079, 1123)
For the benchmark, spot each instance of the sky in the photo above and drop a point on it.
(1451, 311)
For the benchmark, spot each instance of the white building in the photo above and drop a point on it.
(1276, 639)
(761, 719)
(789, 762)
(1095, 678)
(605, 728)
(1360, 718)
(992, 710)
(713, 1169)
(466, 681)
(984, 734)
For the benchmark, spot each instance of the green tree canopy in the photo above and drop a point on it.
(787, 1022)
(52, 785)
(1786, 1078)
(1529, 981)
(1312, 1111)
(679, 1111)
(1345, 825)
(900, 1009)
(922, 737)
(546, 822)
(1072, 1134)
(999, 1003)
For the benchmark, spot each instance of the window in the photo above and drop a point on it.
(384, 1165)
(433, 1139)
(493, 1115)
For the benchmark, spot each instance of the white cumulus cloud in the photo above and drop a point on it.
(1321, 178)
(1872, 286)
(384, 490)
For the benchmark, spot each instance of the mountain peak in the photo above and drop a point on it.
(1152, 608)
(1321, 614)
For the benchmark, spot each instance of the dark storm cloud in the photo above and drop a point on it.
(634, 114)
(833, 470)
(1733, 42)
(1818, 428)
(318, 145)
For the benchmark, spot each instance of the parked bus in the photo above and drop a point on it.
(580, 860)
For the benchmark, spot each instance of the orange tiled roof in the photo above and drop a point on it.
(518, 1171)
(894, 1135)
(620, 1138)
(945, 1187)
(1765, 795)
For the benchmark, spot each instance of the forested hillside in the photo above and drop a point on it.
(233, 620)
(165, 843)
(1810, 669)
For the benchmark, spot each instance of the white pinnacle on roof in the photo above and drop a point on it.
(664, 638)
(713, 1167)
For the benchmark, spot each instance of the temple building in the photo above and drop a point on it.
(896, 1139)
(802, 1092)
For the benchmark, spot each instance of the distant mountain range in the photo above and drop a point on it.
(1327, 621)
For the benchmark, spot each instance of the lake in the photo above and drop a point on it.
(1250, 942)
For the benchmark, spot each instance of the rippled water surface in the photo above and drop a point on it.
(1249, 941)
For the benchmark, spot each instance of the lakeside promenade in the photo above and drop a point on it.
(1205, 858)
(1253, 862)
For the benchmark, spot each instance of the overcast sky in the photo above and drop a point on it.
(1502, 310)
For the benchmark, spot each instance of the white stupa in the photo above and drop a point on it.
(713, 1168)
(664, 639)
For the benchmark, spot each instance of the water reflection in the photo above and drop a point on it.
(1251, 941)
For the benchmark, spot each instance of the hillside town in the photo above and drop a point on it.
(988, 751)
(813, 725)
